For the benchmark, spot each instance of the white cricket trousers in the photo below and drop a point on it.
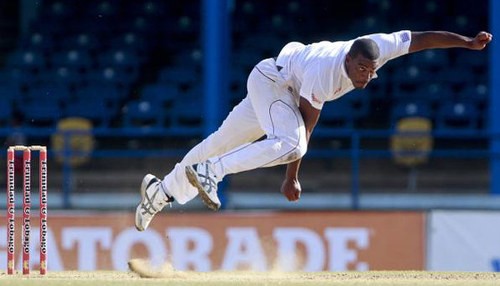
(268, 109)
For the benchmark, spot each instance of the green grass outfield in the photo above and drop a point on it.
(372, 278)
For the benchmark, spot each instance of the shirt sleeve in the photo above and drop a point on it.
(392, 45)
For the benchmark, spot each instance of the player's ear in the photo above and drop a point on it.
(348, 60)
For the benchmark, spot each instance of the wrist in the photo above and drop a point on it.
(469, 43)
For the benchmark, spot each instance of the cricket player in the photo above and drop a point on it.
(284, 101)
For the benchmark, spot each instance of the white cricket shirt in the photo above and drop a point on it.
(317, 72)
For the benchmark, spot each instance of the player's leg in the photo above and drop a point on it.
(238, 129)
(278, 116)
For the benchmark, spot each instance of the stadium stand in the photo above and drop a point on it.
(103, 42)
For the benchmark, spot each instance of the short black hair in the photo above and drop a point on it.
(366, 47)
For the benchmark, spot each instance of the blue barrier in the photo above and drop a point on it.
(355, 151)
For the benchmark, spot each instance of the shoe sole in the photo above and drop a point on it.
(193, 180)
(144, 184)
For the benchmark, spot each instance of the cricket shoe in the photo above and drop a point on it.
(202, 177)
(153, 199)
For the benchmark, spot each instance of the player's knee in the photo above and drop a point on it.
(297, 149)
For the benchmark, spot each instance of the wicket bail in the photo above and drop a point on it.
(26, 207)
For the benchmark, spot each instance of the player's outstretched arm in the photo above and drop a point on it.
(442, 39)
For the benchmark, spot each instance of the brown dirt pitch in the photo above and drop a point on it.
(167, 276)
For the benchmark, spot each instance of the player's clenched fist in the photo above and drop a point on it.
(291, 189)
(481, 40)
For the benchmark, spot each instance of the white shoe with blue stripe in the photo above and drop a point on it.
(202, 177)
(153, 199)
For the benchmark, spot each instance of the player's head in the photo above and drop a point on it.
(361, 62)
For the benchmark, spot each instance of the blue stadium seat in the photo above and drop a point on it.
(37, 41)
(62, 75)
(186, 113)
(338, 114)
(179, 75)
(411, 108)
(473, 60)
(183, 28)
(40, 112)
(110, 94)
(458, 115)
(476, 93)
(93, 109)
(132, 42)
(411, 75)
(148, 9)
(477, 64)
(6, 112)
(143, 114)
(146, 27)
(370, 24)
(83, 41)
(102, 8)
(455, 76)
(431, 59)
(125, 64)
(49, 91)
(237, 85)
(50, 26)
(264, 45)
(59, 9)
(74, 58)
(248, 17)
(189, 56)
(360, 103)
(245, 59)
(111, 75)
(118, 58)
(465, 6)
(403, 91)
(26, 59)
(54, 17)
(101, 17)
(379, 87)
(9, 91)
(435, 92)
(160, 93)
(18, 77)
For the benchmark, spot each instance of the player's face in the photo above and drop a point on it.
(360, 70)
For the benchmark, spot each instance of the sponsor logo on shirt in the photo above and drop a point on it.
(405, 37)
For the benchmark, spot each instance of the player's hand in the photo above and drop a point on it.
(291, 189)
(481, 40)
